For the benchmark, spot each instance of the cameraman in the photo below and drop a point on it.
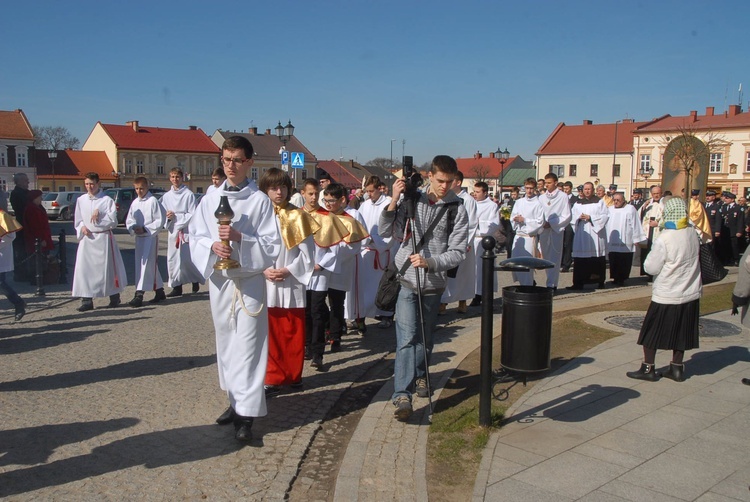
(444, 248)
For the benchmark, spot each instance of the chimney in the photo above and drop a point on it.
(693, 115)
(193, 128)
(268, 131)
(628, 121)
(492, 155)
(478, 155)
(253, 131)
(133, 124)
(709, 111)
(734, 110)
(587, 122)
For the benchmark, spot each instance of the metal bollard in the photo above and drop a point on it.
(485, 361)
(62, 253)
(39, 270)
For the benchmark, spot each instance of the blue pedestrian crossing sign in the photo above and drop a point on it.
(284, 158)
(298, 160)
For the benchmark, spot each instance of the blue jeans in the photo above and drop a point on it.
(410, 359)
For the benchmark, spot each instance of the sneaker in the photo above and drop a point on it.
(272, 390)
(420, 387)
(385, 323)
(403, 408)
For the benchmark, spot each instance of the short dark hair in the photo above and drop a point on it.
(445, 164)
(373, 180)
(336, 190)
(460, 176)
(239, 143)
(482, 185)
(551, 176)
(93, 176)
(275, 177)
(529, 181)
(177, 170)
(311, 182)
(141, 180)
(219, 171)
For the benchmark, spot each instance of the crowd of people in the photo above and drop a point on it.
(289, 272)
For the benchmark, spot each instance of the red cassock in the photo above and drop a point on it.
(36, 226)
(286, 345)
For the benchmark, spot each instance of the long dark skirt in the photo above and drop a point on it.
(588, 270)
(670, 327)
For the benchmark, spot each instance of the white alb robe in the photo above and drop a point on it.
(527, 231)
(99, 270)
(462, 286)
(290, 293)
(556, 206)
(590, 238)
(149, 214)
(238, 295)
(179, 265)
(624, 230)
(374, 258)
(488, 220)
(651, 210)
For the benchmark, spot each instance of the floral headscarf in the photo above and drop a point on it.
(675, 215)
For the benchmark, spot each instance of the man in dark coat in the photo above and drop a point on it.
(734, 226)
(636, 200)
(18, 199)
(713, 211)
(567, 252)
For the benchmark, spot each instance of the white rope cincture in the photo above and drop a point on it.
(237, 297)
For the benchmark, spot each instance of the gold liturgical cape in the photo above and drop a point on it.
(700, 219)
(8, 224)
(356, 231)
(331, 230)
(295, 225)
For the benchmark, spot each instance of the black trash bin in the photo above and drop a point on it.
(527, 329)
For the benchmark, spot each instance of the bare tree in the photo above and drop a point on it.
(481, 172)
(55, 138)
(689, 153)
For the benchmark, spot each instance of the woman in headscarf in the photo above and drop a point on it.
(671, 322)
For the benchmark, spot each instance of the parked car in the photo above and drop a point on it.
(60, 205)
(123, 198)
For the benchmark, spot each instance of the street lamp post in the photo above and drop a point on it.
(285, 133)
(502, 156)
(52, 154)
(614, 153)
(392, 153)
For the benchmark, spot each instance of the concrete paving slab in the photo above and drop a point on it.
(636, 493)
(512, 489)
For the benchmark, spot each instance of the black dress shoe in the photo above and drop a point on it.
(176, 291)
(271, 390)
(646, 372)
(746, 381)
(86, 306)
(227, 417)
(196, 287)
(159, 296)
(675, 372)
(114, 301)
(317, 362)
(243, 429)
(335, 345)
(137, 300)
(20, 310)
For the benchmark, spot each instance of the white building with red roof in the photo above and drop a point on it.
(136, 150)
(493, 171)
(16, 148)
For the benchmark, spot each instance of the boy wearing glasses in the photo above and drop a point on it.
(238, 294)
(179, 203)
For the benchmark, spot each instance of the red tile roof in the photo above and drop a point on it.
(135, 137)
(590, 138)
(74, 164)
(733, 117)
(488, 167)
(267, 146)
(339, 174)
(14, 125)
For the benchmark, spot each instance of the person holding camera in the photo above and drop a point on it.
(432, 230)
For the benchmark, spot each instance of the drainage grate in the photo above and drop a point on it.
(709, 328)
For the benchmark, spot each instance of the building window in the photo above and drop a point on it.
(616, 170)
(645, 163)
(139, 167)
(594, 170)
(128, 166)
(573, 170)
(21, 159)
(254, 173)
(159, 167)
(3, 159)
(3, 185)
(77, 189)
(715, 165)
(747, 162)
(557, 169)
(304, 171)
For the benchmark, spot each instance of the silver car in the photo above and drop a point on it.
(60, 205)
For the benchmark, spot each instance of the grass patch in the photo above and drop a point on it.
(456, 441)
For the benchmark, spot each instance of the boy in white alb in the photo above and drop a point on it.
(556, 206)
(527, 219)
(488, 221)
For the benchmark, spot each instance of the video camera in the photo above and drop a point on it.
(412, 177)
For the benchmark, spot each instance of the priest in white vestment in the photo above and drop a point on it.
(651, 216)
(624, 233)
(557, 215)
(488, 221)
(589, 216)
(238, 295)
(460, 287)
(99, 271)
(527, 220)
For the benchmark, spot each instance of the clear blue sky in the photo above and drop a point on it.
(448, 77)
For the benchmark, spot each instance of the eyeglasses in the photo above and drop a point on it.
(229, 161)
(330, 201)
